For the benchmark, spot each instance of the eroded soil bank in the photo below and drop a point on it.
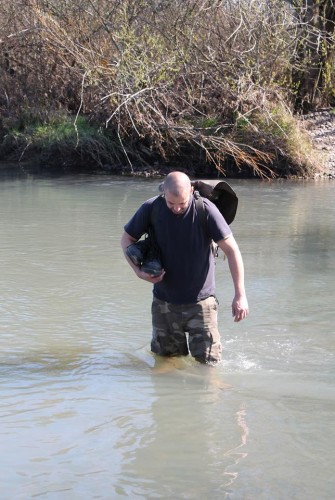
(321, 129)
(320, 126)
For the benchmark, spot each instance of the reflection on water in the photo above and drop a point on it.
(193, 456)
(83, 412)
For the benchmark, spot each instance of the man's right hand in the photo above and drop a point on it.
(147, 277)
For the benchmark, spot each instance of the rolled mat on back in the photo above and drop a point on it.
(221, 194)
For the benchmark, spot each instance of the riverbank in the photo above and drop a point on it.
(319, 127)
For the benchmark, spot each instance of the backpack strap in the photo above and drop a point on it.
(154, 210)
(201, 211)
(150, 235)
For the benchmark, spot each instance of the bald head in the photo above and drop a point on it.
(177, 184)
(177, 192)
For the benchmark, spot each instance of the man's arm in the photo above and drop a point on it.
(240, 308)
(127, 240)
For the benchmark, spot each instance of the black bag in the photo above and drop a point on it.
(221, 194)
(146, 254)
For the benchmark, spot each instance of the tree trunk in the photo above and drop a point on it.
(316, 52)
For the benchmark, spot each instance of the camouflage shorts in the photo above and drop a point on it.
(171, 322)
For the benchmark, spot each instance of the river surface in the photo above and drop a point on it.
(83, 413)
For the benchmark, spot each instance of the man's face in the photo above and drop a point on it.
(178, 204)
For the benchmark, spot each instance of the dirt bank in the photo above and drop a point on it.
(321, 129)
(320, 126)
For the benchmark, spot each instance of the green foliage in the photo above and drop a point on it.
(209, 122)
(62, 140)
(241, 122)
(57, 129)
(279, 123)
(63, 130)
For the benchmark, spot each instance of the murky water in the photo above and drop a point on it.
(82, 413)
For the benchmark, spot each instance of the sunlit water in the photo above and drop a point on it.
(83, 415)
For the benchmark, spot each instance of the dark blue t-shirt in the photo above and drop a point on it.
(185, 248)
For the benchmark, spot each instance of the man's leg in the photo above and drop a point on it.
(168, 336)
(204, 336)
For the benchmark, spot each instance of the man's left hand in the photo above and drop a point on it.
(240, 308)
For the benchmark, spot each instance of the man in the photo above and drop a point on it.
(184, 291)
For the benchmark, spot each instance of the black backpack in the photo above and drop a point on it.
(218, 192)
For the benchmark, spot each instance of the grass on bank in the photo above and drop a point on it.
(61, 141)
(282, 134)
(274, 142)
(291, 138)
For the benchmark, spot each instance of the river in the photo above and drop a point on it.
(83, 413)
